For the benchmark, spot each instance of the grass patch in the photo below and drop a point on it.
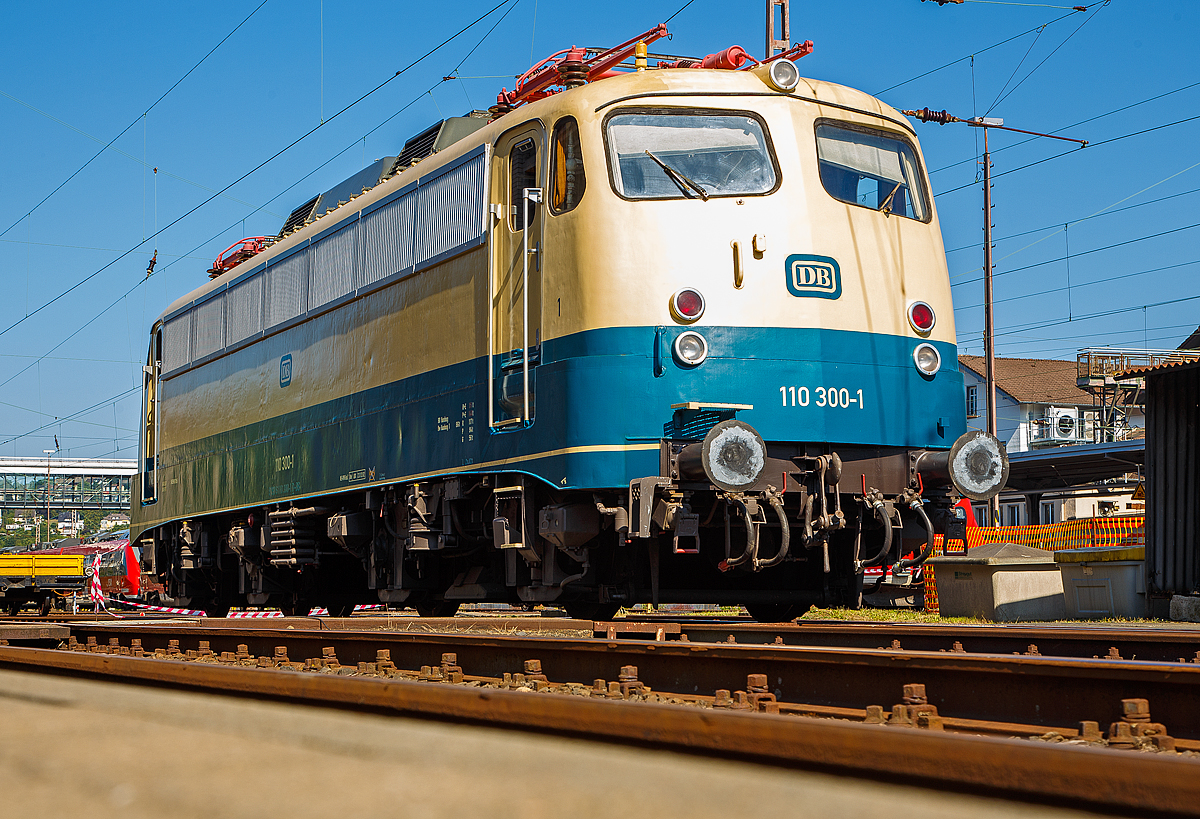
(917, 616)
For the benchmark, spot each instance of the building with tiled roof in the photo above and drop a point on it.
(1037, 402)
(1038, 405)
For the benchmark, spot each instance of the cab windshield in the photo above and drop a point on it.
(689, 155)
(872, 170)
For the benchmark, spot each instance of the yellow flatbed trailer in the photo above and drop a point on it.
(33, 578)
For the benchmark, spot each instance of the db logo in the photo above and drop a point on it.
(813, 276)
(285, 370)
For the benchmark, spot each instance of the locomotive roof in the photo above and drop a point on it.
(660, 87)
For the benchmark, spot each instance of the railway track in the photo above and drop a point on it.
(1158, 644)
(969, 718)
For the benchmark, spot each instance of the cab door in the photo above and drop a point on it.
(515, 280)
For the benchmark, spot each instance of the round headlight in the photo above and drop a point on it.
(687, 305)
(927, 359)
(784, 75)
(690, 349)
(921, 317)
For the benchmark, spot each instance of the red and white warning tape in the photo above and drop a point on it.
(148, 607)
(94, 591)
(101, 602)
(314, 612)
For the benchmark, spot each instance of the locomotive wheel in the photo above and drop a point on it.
(442, 608)
(216, 609)
(584, 610)
(340, 609)
(774, 612)
(46, 606)
(14, 608)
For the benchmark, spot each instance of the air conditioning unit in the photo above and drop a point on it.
(1064, 424)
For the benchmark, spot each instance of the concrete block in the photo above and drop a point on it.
(1000, 582)
(1185, 609)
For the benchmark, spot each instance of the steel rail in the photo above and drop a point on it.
(1160, 644)
(1150, 643)
(1058, 693)
(1038, 772)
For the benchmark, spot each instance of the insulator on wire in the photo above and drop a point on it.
(927, 115)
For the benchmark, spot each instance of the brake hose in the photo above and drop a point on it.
(785, 537)
(917, 561)
(881, 514)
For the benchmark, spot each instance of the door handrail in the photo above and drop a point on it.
(529, 195)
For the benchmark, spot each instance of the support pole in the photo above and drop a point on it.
(989, 337)
(989, 331)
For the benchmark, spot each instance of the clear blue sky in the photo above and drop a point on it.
(90, 70)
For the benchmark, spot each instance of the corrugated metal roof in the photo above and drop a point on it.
(1066, 466)
(1138, 372)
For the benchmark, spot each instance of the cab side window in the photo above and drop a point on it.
(567, 180)
(523, 162)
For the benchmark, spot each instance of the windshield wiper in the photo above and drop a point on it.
(886, 204)
(678, 177)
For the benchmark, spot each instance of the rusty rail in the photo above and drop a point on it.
(1142, 643)
(1054, 692)
(1079, 776)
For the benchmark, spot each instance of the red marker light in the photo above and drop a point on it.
(921, 317)
(687, 305)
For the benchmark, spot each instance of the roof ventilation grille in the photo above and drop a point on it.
(299, 216)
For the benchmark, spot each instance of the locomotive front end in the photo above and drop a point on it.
(789, 263)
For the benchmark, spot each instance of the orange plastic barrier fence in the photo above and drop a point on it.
(1070, 534)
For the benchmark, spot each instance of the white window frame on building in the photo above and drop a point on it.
(972, 401)
(1048, 511)
(1012, 514)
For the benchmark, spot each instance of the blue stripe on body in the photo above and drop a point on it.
(595, 388)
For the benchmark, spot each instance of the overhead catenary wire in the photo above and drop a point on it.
(56, 418)
(1055, 227)
(678, 11)
(1091, 316)
(125, 130)
(143, 162)
(1108, 335)
(1004, 87)
(1090, 147)
(1106, 280)
(1086, 20)
(1028, 5)
(1120, 110)
(262, 164)
(73, 416)
(1108, 209)
(141, 281)
(1082, 253)
(975, 53)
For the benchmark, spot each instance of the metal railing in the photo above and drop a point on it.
(1099, 364)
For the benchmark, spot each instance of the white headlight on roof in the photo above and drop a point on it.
(783, 76)
(927, 359)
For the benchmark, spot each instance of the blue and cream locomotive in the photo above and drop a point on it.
(673, 334)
